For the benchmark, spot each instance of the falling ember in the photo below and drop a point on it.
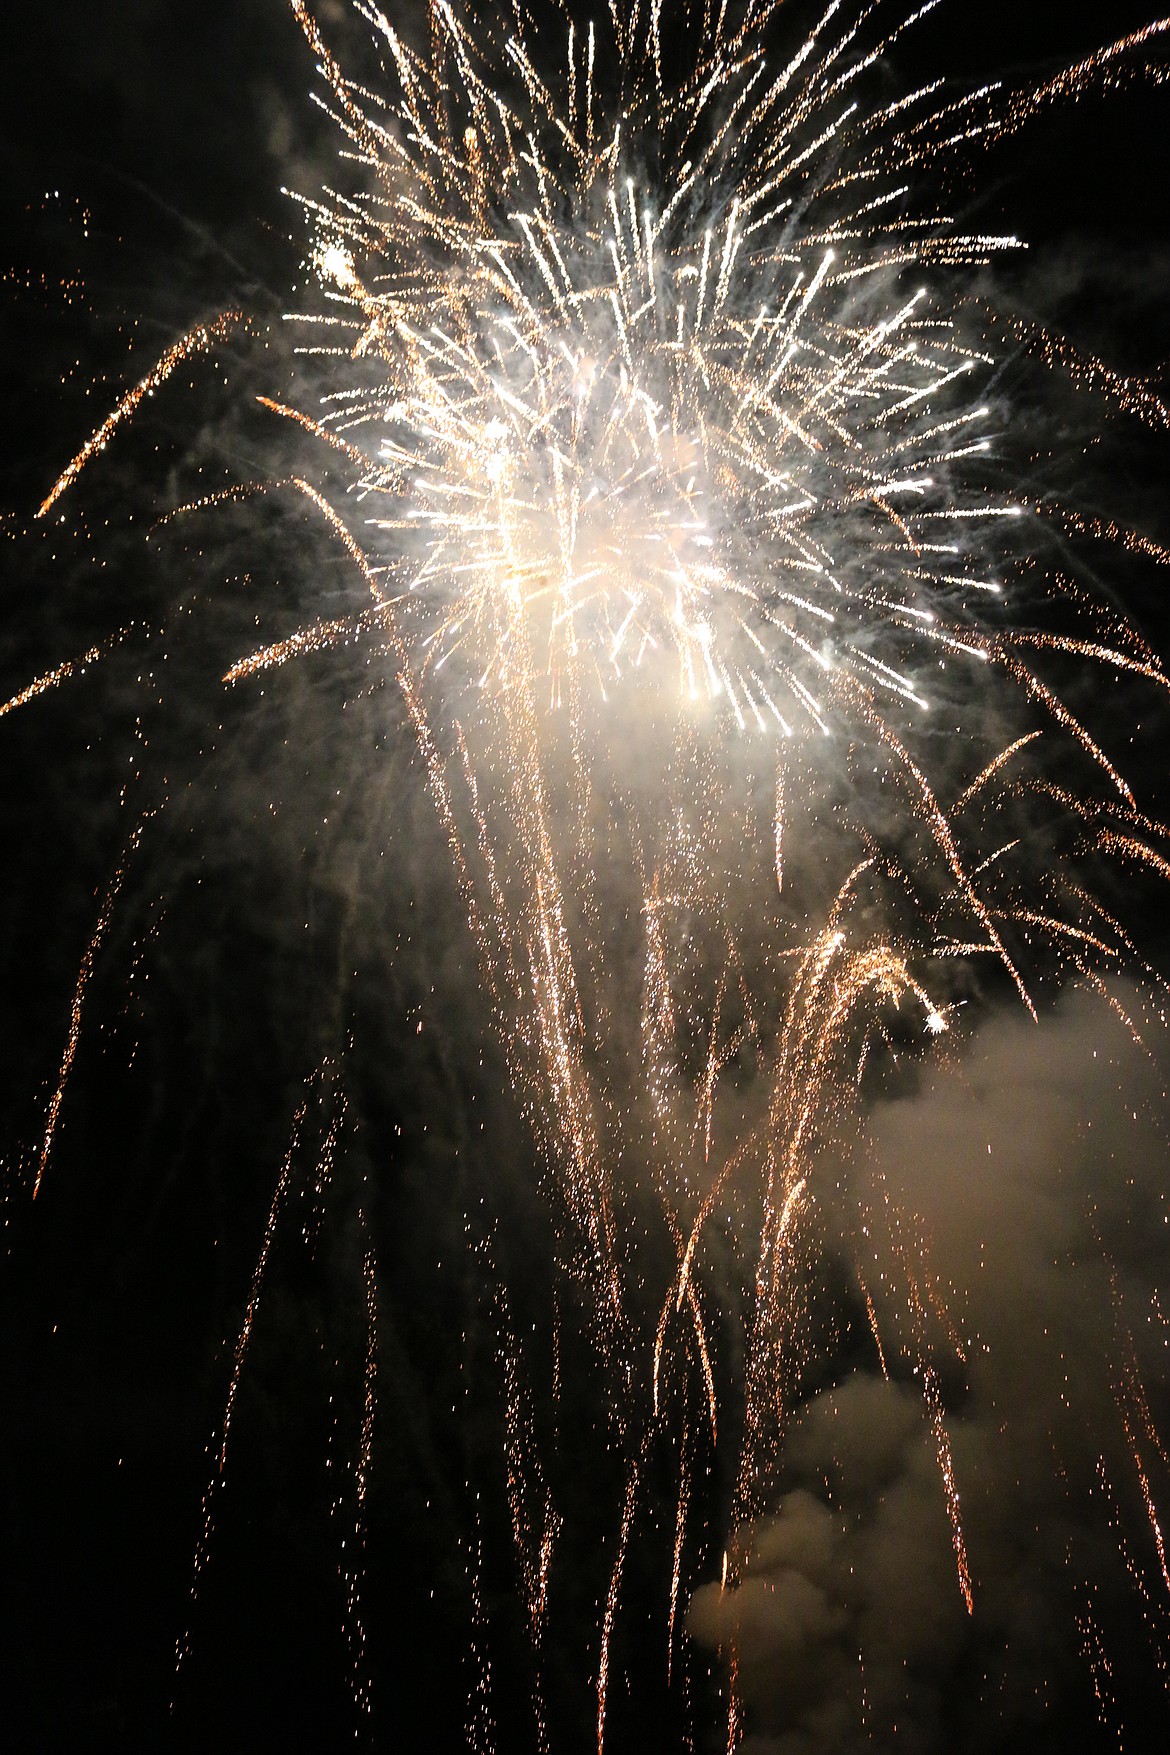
(611, 1602)
(198, 340)
(871, 1313)
(84, 975)
(947, 1471)
(52, 679)
(680, 1530)
(654, 416)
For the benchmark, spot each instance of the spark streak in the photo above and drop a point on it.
(198, 340)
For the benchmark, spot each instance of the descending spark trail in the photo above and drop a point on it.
(203, 337)
(75, 1011)
(656, 418)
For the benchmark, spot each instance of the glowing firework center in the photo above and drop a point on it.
(641, 439)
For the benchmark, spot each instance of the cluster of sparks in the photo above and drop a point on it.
(646, 398)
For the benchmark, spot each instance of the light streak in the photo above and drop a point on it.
(629, 1506)
(321, 1092)
(198, 340)
(52, 679)
(947, 1471)
(353, 1570)
(84, 975)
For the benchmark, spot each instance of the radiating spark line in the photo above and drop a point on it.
(611, 1602)
(993, 767)
(947, 1471)
(197, 340)
(52, 679)
(680, 1529)
(318, 1084)
(874, 1330)
(354, 1566)
(84, 974)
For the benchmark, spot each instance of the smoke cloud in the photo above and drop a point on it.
(1032, 1169)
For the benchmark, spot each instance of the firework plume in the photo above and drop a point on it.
(665, 423)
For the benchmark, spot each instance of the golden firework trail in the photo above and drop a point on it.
(198, 340)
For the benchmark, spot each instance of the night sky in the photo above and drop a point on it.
(286, 1055)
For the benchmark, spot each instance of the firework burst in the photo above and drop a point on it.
(658, 409)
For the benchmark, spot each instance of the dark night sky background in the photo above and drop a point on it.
(295, 895)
